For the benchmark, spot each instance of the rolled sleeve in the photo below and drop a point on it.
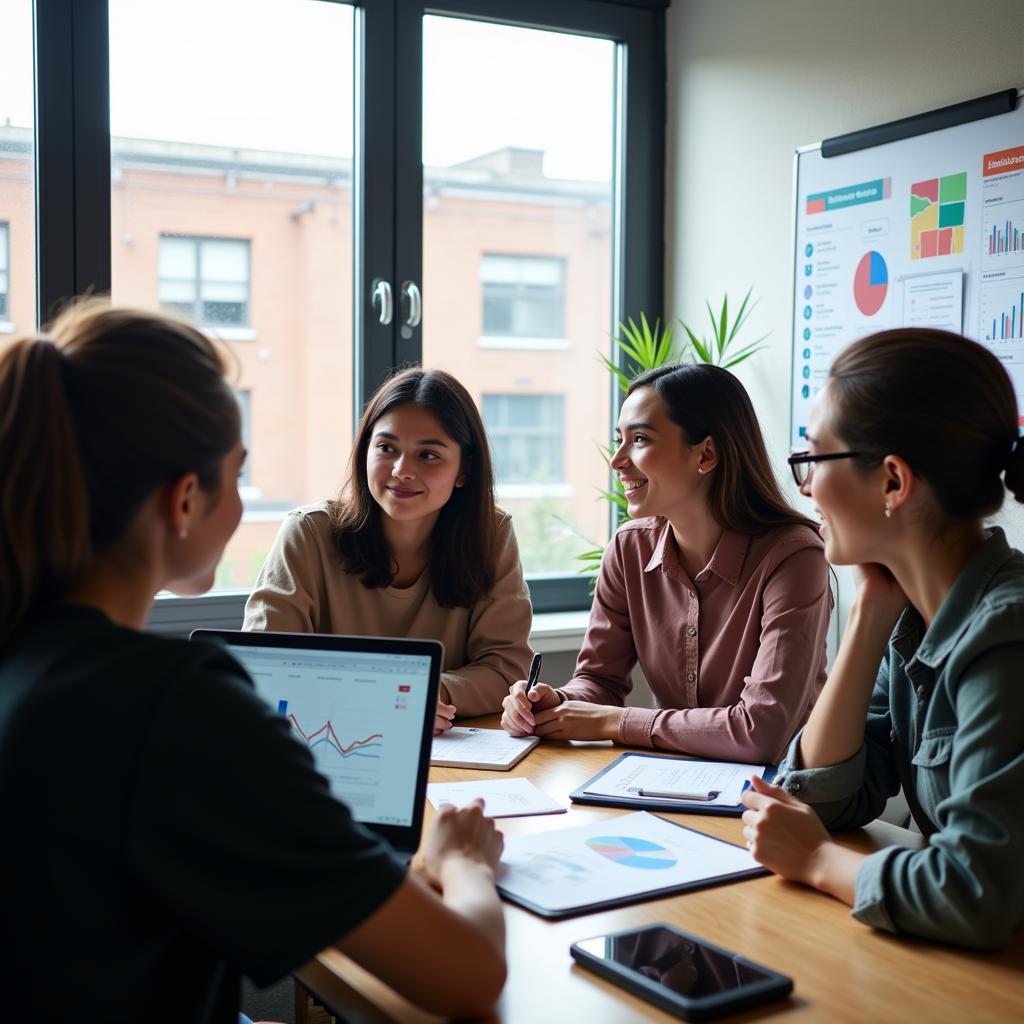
(827, 789)
(869, 891)
(637, 726)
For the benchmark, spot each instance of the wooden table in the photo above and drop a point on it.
(842, 970)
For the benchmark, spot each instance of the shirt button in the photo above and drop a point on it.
(921, 693)
(692, 594)
(795, 787)
(691, 630)
(690, 676)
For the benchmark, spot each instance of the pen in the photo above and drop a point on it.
(531, 681)
(665, 794)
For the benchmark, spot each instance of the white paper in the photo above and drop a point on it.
(503, 798)
(487, 748)
(677, 775)
(934, 300)
(621, 857)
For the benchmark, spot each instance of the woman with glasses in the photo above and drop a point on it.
(717, 587)
(914, 441)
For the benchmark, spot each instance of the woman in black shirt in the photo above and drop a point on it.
(164, 834)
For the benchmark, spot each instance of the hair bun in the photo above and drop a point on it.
(1013, 476)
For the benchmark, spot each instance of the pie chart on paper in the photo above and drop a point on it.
(631, 852)
(870, 283)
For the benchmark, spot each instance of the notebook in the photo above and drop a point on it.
(365, 708)
(489, 749)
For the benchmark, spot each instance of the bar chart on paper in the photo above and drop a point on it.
(1002, 328)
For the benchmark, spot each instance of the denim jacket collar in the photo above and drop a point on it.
(932, 646)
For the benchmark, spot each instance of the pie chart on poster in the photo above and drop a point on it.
(870, 283)
(631, 852)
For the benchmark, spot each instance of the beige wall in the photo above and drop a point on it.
(751, 80)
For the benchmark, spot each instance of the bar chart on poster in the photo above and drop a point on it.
(925, 230)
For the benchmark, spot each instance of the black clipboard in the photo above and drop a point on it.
(640, 897)
(641, 803)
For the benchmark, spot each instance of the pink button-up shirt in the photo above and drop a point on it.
(735, 657)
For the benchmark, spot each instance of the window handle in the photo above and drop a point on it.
(411, 292)
(382, 301)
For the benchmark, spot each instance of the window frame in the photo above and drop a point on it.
(505, 431)
(198, 304)
(73, 183)
(518, 292)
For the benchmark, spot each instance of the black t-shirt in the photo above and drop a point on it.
(162, 833)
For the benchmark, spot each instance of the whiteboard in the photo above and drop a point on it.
(924, 231)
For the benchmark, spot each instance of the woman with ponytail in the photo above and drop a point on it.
(160, 823)
(913, 443)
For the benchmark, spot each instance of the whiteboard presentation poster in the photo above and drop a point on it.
(926, 232)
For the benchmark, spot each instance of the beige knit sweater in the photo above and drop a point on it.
(302, 588)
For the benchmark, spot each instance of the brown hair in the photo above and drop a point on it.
(744, 494)
(939, 401)
(94, 418)
(462, 545)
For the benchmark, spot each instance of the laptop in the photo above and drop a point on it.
(365, 708)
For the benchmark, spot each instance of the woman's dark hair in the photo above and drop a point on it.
(939, 401)
(744, 494)
(94, 418)
(462, 545)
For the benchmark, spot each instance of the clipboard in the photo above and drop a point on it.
(654, 892)
(640, 803)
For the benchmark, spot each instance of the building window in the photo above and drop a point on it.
(527, 435)
(524, 296)
(5, 238)
(205, 279)
(244, 399)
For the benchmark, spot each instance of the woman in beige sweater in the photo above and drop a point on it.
(414, 546)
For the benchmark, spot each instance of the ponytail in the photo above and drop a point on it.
(92, 423)
(44, 506)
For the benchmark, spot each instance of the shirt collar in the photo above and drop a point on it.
(726, 562)
(957, 608)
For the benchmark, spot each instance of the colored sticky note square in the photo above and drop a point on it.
(926, 189)
(945, 241)
(953, 188)
(951, 215)
(815, 205)
(958, 239)
(929, 243)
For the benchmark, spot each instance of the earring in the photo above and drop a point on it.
(888, 511)
(183, 533)
(700, 470)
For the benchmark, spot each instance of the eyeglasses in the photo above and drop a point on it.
(801, 463)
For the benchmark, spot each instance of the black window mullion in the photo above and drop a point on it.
(72, 151)
(409, 176)
(373, 195)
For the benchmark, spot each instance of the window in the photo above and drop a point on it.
(5, 232)
(501, 233)
(205, 279)
(524, 296)
(527, 434)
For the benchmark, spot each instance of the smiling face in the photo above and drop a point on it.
(412, 464)
(849, 500)
(656, 465)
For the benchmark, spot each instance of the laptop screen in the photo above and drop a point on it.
(361, 714)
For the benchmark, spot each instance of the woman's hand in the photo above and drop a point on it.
(579, 720)
(460, 836)
(783, 833)
(878, 590)
(443, 717)
(518, 708)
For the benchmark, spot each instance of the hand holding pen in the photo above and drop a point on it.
(524, 698)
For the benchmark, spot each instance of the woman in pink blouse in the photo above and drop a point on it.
(716, 586)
